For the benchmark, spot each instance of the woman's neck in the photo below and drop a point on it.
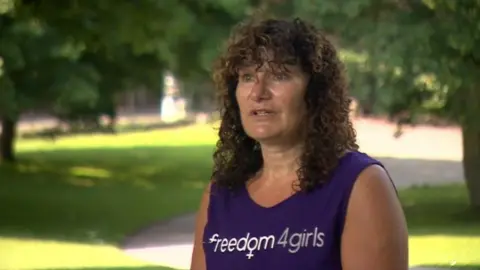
(280, 162)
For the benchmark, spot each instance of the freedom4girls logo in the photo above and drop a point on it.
(293, 242)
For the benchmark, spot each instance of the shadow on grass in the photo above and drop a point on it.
(101, 195)
(56, 133)
(98, 196)
(441, 210)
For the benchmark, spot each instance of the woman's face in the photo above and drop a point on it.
(271, 101)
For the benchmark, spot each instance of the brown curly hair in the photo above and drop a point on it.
(330, 133)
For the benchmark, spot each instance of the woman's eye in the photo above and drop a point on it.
(280, 76)
(246, 77)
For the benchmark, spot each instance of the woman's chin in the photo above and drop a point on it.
(263, 135)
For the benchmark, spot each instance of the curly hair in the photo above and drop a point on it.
(330, 133)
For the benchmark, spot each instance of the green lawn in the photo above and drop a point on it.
(74, 199)
(442, 230)
(68, 203)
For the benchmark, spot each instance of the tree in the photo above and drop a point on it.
(74, 55)
(36, 67)
(427, 53)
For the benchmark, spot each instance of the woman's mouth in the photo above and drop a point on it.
(261, 112)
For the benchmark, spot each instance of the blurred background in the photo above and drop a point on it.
(108, 114)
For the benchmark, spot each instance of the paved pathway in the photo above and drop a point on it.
(423, 156)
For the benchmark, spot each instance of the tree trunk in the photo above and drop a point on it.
(368, 109)
(471, 163)
(7, 140)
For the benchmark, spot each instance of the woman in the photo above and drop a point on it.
(290, 190)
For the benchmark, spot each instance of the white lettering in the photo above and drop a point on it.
(293, 242)
(320, 237)
(252, 247)
(244, 239)
(266, 240)
(224, 245)
(232, 244)
(283, 238)
(307, 240)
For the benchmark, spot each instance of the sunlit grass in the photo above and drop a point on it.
(76, 198)
(184, 136)
(445, 250)
(42, 254)
(443, 231)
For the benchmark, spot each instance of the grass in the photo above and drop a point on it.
(68, 203)
(442, 230)
(82, 195)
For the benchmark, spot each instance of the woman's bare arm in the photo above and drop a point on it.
(198, 255)
(375, 235)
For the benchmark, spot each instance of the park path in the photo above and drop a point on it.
(423, 156)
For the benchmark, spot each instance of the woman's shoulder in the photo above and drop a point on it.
(360, 175)
(373, 215)
(358, 168)
(358, 156)
(354, 162)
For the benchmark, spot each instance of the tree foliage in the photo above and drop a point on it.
(72, 56)
(416, 56)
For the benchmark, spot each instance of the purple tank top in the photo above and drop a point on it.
(301, 232)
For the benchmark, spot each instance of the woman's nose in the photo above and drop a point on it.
(260, 89)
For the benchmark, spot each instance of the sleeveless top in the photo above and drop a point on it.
(302, 232)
